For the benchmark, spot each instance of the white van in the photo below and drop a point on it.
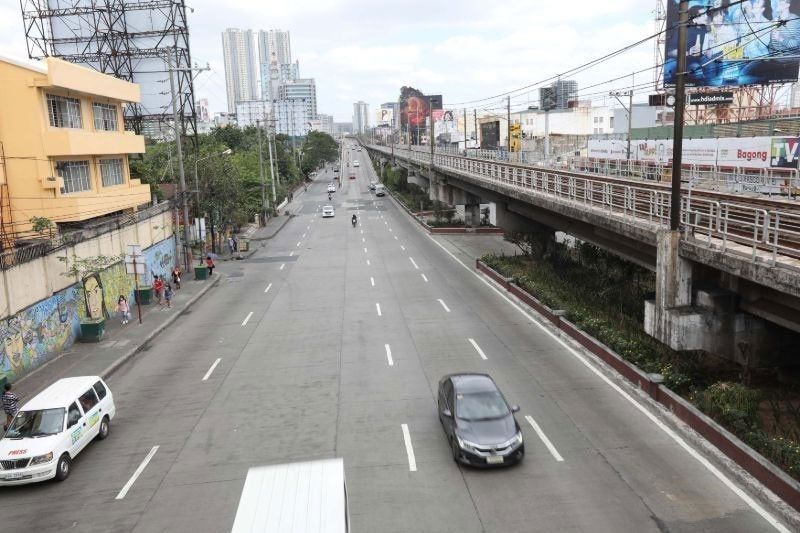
(308, 497)
(52, 428)
(380, 190)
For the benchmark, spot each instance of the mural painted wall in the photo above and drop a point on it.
(32, 336)
(35, 335)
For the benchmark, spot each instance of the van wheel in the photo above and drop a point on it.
(455, 450)
(63, 467)
(105, 427)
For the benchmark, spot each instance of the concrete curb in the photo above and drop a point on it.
(721, 440)
(113, 367)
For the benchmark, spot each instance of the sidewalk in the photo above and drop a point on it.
(119, 344)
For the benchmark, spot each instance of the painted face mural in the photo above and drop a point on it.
(94, 297)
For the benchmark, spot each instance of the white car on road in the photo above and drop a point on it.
(355, 163)
(331, 187)
(327, 211)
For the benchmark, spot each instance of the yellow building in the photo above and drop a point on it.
(63, 147)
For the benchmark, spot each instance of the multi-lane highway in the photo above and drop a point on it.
(329, 342)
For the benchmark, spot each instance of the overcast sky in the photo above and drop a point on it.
(367, 49)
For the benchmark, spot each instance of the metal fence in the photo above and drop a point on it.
(761, 233)
(29, 252)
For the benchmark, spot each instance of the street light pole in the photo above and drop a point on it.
(261, 173)
(181, 174)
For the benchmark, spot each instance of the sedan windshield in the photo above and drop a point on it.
(36, 423)
(481, 406)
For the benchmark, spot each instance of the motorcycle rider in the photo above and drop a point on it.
(354, 220)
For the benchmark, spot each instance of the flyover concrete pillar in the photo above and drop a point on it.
(699, 318)
(419, 180)
(511, 221)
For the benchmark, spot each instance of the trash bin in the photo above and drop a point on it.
(200, 272)
(144, 295)
(244, 245)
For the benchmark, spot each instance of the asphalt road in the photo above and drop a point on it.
(301, 332)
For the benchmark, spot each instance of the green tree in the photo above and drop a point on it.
(318, 148)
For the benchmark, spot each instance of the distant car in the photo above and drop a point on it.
(331, 187)
(478, 422)
(336, 169)
(355, 163)
(380, 190)
(352, 176)
(327, 211)
(359, 148)
(372, 185)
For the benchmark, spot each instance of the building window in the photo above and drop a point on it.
(111, 172)
(611, 122)
(75, 174)
(64, 112)
(105, 117)
(600, 120)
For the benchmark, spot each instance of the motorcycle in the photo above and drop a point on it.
(354, 220)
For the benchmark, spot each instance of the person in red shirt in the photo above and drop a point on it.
(158, 287)
(210, 265)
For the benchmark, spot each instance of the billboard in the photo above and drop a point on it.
(732, 45)
(384, 116)
(742, 152)
(490, 135)
(415, 107)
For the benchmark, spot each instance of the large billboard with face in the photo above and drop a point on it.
(415, 107)
(754, 42)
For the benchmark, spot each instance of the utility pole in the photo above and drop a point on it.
(630, 120)
(181, 174)
(680, 105)
(508, 127)
(546, 136)
(271, 171)
(430, 135)
(465, 131)
(475, 118)
(261, 174)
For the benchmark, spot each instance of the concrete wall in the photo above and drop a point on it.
(39, 332)
(31, 282)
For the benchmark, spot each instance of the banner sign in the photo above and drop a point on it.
(716, 98)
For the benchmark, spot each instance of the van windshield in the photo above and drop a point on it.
(28, 424)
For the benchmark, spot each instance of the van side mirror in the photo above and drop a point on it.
(514, 408)
(447, 413)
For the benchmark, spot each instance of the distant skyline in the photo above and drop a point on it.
(359, 50)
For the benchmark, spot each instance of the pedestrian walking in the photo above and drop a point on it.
(168, 295)
(235, 244)
(210, 265)
(176, 277)
(158, 287)
(10, 405)
(230, 244)
(124, 309)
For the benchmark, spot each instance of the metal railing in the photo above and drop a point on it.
(760, 233)
(29, 252)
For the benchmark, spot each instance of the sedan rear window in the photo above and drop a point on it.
(481, 406)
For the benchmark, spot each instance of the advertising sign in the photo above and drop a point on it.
(715, 98)
(784, 152)
(385, 116)
(753, 42)
(490, 135)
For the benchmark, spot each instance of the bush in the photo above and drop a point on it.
(731, 404)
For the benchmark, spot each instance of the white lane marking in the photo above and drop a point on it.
(544, 438)
(291, 254)
(363, 239)
(304, 236)
(413, 263)
(282, 265)
(268, 287)
(412, 463)
(477, 349)
(247, 319)
(390, 230)
(402, 247)
(389, 354)
(298, 243)
(365, 249)
(444, 305)
(368, 262)
(362, 232)
(136, 474)
(372, 280)
(395, 237)
(210, 370)
(424, 277)
(661, 425)
(378, 308)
